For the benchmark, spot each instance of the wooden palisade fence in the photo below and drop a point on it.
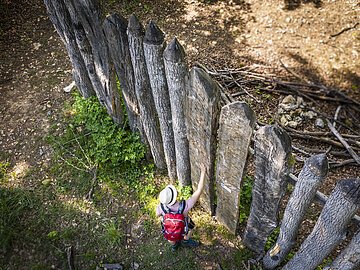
(178, 114)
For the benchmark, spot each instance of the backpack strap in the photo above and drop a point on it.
(182, 207)
(164, 208)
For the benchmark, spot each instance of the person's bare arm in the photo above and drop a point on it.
(197, 193)
(158, 211)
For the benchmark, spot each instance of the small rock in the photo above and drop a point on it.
(283, 120)
(288, 100)
(319, 123)
(68, 88)
(298, 119)
(288, 103)
(309, 114)
(36, 46)
(280, 110)
(293, 124)
(300, 101)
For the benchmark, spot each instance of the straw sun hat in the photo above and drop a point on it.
(168, 195)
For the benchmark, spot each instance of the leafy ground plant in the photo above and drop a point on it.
(98, 198)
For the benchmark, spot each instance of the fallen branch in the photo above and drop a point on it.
(337, 121)
(250, 95)
(70, 257)
(319, 139)
(312, 151)
(330, 94)
(332, 163)
(342, 140)
(349, 137)
(336, 114)
(343, 163)
(292, 72)
(321, 133)
(93, 184)
(345, 30)
(300, 150)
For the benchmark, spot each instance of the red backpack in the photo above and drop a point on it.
(174, 224)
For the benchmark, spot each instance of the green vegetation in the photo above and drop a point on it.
(98, 196)
(272, 238)
(245, 198)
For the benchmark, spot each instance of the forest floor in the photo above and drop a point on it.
(310, 42)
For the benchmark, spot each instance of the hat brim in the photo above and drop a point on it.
(173, 189)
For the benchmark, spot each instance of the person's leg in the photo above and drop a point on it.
(188, 235)
(174, 245)
(187, 238)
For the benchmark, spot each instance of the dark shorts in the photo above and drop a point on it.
(191, 223)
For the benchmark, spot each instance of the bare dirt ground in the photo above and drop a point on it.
(318, 40)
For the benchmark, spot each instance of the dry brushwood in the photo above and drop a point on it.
(342, 140)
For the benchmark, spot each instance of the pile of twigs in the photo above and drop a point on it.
(343, 147)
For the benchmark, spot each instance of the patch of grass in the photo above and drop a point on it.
(15, 205)
(3, 171)
(158, 255)
(245, 198)
(204, 226)
(326, 262)
(239, 256)
(113, 233)
(272, 238)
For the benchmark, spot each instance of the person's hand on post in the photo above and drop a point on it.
(202, 176)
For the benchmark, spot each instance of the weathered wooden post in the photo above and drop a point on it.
(85, 21)
(310, 178)
(176, 72)
(60, 17)
(349, 258)
(86, 16)
(145, 99)
(153, 50)
(203, 120)
(272, 156)
(236, 126)
(330, 228)
(115, 27)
